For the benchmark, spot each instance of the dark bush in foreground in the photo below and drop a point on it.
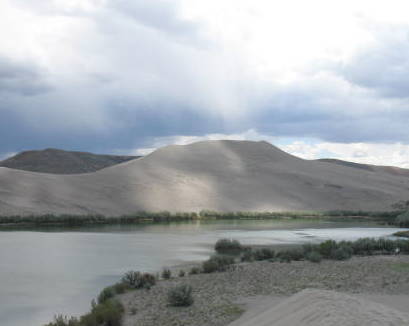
(61, 320)
(108, 313)
(313, 256)
(180, 296)
(228, 246)
(217, 263)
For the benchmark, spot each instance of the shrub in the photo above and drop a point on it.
(228, 246)
(403, 219)
(313, 256)
(341, 253)
(120, 287)
(138, 280)
(61, 320)
(166, 274)
(327, 247)
(290, 254)
(263, 254)
(217, 263)
(108, 314)
(247, 255)
(180, 295)
(194, 270)
(131, 278)
(182, 273)
(106, 294)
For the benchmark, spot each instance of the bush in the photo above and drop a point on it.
(341, 253)
(263, 254)
(138, 280)
(247, 255)
(327, 247)
(228, 246)
(217, 263)
(182, 273)
(106, 294)
(313, 256)
(403, 219)
(120, 287)
(290, 254)
(194, 270)
(166, 274)
(108, 314)
(180, 296)
(61, 320)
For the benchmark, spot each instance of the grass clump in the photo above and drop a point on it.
(180, 296)
(217, 263)
(290, 255)
(228, 246)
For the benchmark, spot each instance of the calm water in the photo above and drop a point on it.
(50, 271)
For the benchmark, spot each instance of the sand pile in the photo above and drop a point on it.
(323, 308)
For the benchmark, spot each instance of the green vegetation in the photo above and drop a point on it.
(217, 263)
(400, 267)
(313, 256)
(390, 217)
(194, 270)
(138, 280)
(180, 296)
(228, 246)
(166, 274)
(108, 313)
(403, 219)
(403, 234)
(181, 273)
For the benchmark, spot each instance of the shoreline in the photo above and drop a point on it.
(219, 296)
(33, 221)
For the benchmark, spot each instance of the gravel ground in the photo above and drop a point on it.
(216, 295)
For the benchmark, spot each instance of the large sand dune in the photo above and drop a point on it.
(217, 175)
(323, 308)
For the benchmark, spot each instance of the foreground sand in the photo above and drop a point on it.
(313, 307)
(221, 298)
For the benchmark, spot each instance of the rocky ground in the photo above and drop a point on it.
(216, 295)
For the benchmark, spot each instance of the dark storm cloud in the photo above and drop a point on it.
(134, 70)
(384, 66)
(21, 79)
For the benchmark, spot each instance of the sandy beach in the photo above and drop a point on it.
(370, 290)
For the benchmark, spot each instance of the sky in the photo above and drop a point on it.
(317, 78)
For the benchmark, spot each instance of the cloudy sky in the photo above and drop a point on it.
(318, 78)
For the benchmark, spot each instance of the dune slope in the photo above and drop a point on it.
(217, 175)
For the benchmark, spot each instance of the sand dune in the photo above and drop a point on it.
(322, 308)
(217, 175)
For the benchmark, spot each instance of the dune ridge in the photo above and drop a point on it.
(217, 175)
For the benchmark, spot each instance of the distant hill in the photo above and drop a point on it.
(220, 175)
(58, 161)
(368, 167)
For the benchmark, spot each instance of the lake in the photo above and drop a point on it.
(59, 270)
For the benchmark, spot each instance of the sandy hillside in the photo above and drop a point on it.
(217, 175)
(312, 307)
